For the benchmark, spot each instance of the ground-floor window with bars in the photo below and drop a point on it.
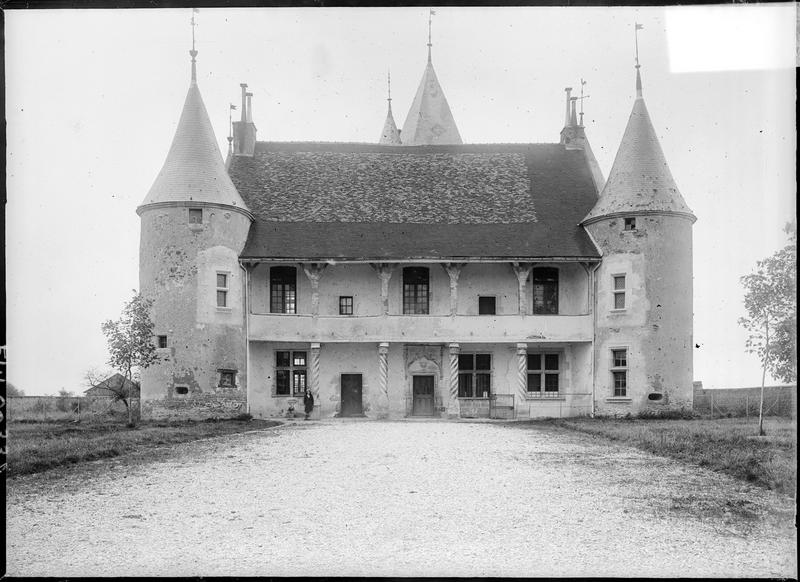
(474, 375)
(291, 373)
(544, 370)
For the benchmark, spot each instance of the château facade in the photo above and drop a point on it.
(417, 276)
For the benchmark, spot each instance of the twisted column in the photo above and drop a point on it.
(452, 407)
(315, 377)
(383, 369)
(522, 374)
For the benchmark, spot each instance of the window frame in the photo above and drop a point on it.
(222, 373)
(473, 374)
(543, 371)
(544, 283)
(343, 307)
(192, 214)
(412, 291)
(159, 337)
(494, 304)
(629, 223)
(287, 294)
(623, 292)
(224, 290)
(622, 370)
(294, 370)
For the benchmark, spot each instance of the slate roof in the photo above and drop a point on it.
(194, 169)
(640, 179)
(381, 202)
(429, 120)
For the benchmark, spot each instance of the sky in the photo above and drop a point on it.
(93, 98)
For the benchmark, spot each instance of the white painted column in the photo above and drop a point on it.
(522, 376)
(452, 406)
(384, 272)
(453, 271)
(522, 270)
(314, 273)
(383, 370)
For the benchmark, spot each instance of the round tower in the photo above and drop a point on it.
(194, 225)
(643, 289)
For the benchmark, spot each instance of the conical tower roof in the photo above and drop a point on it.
(194, 170)
(390, 135)
(429, 121)
(640, 180)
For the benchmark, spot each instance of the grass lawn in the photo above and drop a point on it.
(722, 444)
(38, 446)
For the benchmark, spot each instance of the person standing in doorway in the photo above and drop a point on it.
(308, 401)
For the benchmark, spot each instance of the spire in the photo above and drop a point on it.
(640, 180)
(637, 27)
(194, 170)
(430, 20)
(429, 120)
(390, 135)
(193, 52)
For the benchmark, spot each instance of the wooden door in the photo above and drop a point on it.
(351, 395)
(423, 396)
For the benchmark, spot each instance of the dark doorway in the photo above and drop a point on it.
(423, 396)
(351, 395)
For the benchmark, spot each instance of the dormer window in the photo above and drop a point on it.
(195, 216)
(630, 224)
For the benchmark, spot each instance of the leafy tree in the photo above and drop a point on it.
(130, 341)
(12, 390)
(771, 320)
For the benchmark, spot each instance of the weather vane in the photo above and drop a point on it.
(581, 98)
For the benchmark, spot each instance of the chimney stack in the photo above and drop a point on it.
(244, 131)
(567, 90)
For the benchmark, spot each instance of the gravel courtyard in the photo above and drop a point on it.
(369, 498)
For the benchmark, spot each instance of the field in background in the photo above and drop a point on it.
(728, 445)
(38, 446)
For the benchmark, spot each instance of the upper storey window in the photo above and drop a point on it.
(283, 290)
(545, 291)
(630, 224)
(416, 290)
(195, 216)
(619, 291)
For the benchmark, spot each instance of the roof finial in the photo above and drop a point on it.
(582, 97)
(389, 87)
(193, 52)
(636, 30)
(430, 19)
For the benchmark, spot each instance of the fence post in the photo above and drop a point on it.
(747, 406)
(712, 404)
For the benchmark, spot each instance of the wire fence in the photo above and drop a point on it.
(745, 402)
(64, 408)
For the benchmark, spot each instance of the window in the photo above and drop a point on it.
(474, 375)
(227, 378)
(161, 341)
(416, 288)
(545, 291)
(487, 305)
(181, 390)
(619, 291)
(619, 371)
(283, 290)
(195, 216)
(222, 289)
(290, 373)
(345, 305)
(630, 224)
(543, 375)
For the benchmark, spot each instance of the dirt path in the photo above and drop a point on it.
(396, 498)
